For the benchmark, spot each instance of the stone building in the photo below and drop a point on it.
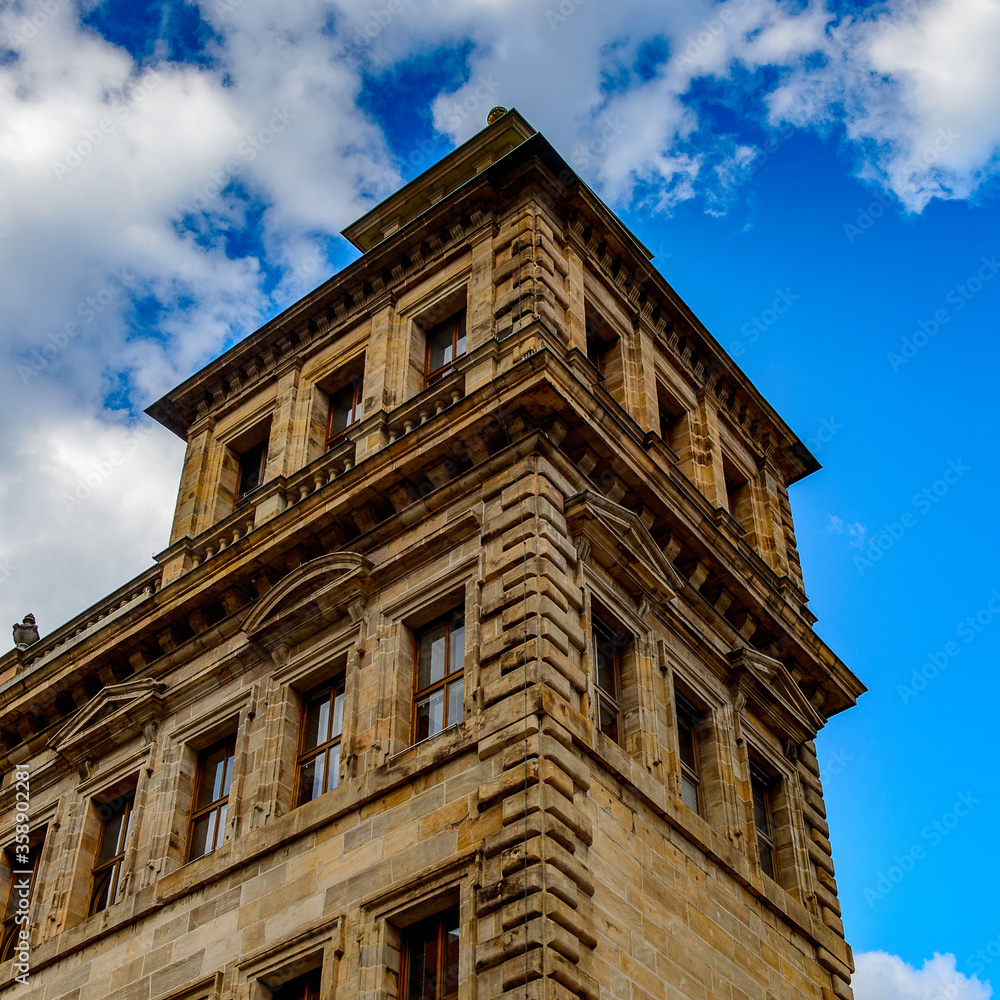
(478, 665)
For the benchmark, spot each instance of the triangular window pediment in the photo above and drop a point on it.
(115, 715)
(621, 543)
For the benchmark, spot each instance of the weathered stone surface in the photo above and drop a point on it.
(576, 865)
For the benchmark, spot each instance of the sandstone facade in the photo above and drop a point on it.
(590, 464)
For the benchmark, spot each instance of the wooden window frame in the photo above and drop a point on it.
(764, 784)
(356, 385)
(306, 755)
(217, 805)
(458, 333)
(9, 926)
(116, 863)
(242, 496)
(688, 717)
(602, 630)
(442, 921)
(445, 682)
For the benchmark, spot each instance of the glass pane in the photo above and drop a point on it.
(317, 722)
(432, 656)
(342, 410)
(608, 720)
(457, 647)
(333, 768)
(460, 350)
(606, 662)
(110, 835)
(212, 777)
(449, 971)
(220, 827)
(440, 348)
(203, 835)
(766, 857)
(761, 814)
(338, 715)
(456, 693)
(102, 885)
(430, 715)
(690, 792)
(311, 782)
(685, 739)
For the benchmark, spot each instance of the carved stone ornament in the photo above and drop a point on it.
(26, 632)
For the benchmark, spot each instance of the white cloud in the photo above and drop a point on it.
(113, 218)
(880, 976)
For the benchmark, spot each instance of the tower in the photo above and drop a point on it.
(478, 664)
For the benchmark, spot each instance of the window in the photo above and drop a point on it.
(211, 804)
(445, 344)
(251, 474)
(439, 666)
(689, 751)
(116, 825)
(305, 987)
(430, 958)
(597, 348)
(609, 648)
(668, 424)
(762, 789)
(345, 410)
(23, 869)
(319, 742)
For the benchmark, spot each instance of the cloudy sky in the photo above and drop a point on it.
(817, 180)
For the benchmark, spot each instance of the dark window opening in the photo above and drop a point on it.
(252, 463)
(762, 787)
(430, 951)
(446, 343)
(116, 828)
(319, 742)
(689, 750)
(304, 987)
(610, 645)
(439, 675)
(210, 807)
(23, 873)
(600, 340)
(345, 410)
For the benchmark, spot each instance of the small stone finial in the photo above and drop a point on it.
(26, 632)
(495, 115)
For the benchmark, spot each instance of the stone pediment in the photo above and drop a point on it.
(621, 543)
(311, 597)
(774, 695)
(116, 715)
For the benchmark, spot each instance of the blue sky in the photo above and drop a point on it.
(818, 182)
